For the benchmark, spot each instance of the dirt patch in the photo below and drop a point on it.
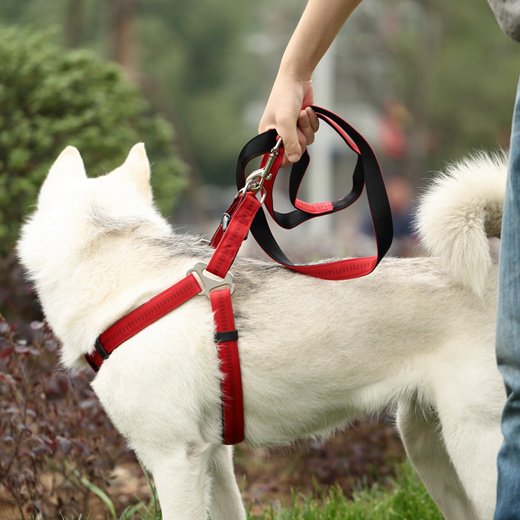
(366, 453)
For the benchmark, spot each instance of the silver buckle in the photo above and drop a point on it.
(210, 281)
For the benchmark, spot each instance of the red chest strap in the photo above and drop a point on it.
(226, 338)
(135, 321)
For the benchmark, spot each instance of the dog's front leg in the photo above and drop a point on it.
(182, 481)
(226, 502)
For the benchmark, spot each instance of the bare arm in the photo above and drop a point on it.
(292, 89)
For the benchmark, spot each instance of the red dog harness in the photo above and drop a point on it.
(214, 279)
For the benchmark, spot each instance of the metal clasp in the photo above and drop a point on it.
(255, 180)
(210, 281)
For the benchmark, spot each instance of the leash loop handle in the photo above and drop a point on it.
(366, 173)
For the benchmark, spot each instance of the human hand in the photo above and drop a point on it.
(284, 112)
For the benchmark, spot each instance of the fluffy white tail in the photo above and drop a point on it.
(459, 211)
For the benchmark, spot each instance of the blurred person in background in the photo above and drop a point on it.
(400, 196)
(292, 90)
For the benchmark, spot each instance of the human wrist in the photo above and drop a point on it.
(294, 69)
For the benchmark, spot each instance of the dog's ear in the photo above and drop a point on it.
(67, 167)
(137, 169)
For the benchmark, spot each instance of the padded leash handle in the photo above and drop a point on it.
(366, 173)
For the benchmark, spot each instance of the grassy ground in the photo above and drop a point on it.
(406, 499)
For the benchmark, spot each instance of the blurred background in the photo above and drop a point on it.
(425, 81)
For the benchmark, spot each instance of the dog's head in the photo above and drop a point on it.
(77, 243)
(74, 210)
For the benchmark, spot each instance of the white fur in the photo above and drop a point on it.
(418, 333)
(454, 212)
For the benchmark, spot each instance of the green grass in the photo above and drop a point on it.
(405, 499)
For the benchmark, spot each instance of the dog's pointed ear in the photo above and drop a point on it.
(67, 167)
(137, 169)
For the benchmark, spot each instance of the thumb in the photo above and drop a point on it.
(291, 144)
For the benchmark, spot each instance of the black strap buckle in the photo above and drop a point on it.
(223, 337)
(100, 350)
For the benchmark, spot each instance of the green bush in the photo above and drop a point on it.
(50, 98)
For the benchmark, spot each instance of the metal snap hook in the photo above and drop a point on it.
(255, 180)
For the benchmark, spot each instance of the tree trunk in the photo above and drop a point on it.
(122, 16)
(74, 23)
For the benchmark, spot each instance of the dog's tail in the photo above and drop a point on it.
(460, 210)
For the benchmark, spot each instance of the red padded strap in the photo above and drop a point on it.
(321, 208)
(228, 243)
(318, 208)
(340, 270)
(232, 399)
(141, 317)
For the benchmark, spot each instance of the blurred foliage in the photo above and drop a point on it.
(196, 53)
(473, 95)
(457, 73)
(51, 98)
(447, 64)
(54, 435)
(194, 65)
(210, 65)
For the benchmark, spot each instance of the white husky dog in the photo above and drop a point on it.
(417, 333)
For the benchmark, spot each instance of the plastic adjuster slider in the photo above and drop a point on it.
(100, 350)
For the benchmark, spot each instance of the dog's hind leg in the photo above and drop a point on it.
(226, 502)
(182, 481)
(421, 434)
(472, 435)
